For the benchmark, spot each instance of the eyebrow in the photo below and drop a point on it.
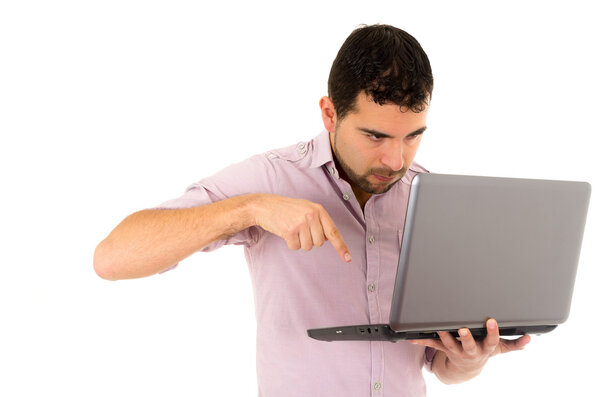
(379, 134)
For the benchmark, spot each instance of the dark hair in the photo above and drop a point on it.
(384, 61)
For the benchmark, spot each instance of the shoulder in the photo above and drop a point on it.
(414, 169)
(259, 173)
(417, 168)
(297, 155)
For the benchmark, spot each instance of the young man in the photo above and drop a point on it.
(321, 223)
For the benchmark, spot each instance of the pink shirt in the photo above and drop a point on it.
(298, 290)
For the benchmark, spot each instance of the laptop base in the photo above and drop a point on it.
(384, 332)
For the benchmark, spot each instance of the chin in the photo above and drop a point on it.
(377, 189)
(380, 189)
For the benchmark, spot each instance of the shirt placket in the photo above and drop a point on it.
(372, 290)
(368, 220)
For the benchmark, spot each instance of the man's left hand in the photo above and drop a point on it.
(465, 357)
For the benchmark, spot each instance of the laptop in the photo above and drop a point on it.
(475, 248)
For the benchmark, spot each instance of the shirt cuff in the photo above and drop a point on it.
(429, 354)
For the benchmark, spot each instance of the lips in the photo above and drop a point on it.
(383, 178)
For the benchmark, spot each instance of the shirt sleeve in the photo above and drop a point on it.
(429, 354)
(254, 175)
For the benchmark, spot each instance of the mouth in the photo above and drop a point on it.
(383, 178)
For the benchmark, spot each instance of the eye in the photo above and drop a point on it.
(413, 137)
(374, 138)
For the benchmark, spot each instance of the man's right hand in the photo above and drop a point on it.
(301, 223)
(150, 241)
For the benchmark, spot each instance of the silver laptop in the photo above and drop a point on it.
(477, 247)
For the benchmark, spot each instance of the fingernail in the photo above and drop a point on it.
(347, 257)
(492, 324)
(463, 332)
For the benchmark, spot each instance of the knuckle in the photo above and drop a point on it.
(471, 353)
(291, 230)
(454, 351)
(317, 242)
(491, 346)
(293, 244)
(307, 246)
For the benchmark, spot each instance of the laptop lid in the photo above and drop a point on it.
(479, 247)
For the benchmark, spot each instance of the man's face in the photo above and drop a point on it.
(375, 144)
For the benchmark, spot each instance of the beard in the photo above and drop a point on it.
(361, 180)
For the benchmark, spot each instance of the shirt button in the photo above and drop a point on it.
(332, 172)
(371, 287)
(377, 386)
(371, 239)
(301, 147)
(346, 197)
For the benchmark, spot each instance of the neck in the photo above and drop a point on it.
(361, 196)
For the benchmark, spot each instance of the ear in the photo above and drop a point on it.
(328, 113)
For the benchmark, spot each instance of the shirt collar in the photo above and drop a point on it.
(321, 150)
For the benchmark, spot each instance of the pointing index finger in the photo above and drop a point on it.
(333, 235)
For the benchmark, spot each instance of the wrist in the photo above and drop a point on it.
(463, 372)
(252, 207)
(450, 373)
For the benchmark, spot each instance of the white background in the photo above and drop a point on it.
(109, 107)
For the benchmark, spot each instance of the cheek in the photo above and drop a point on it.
(410, 153)
(365, 158)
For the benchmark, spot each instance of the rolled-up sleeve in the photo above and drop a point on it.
(429, 354)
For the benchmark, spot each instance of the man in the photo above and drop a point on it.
(321, 223)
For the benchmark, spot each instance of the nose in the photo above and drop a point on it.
(393, 156)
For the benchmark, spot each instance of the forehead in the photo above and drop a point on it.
(389, 118)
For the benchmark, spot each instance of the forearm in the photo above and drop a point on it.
(150, 241)
(450, 374)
